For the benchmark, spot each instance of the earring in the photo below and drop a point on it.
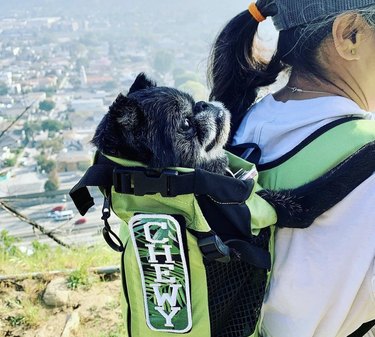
(353, 52)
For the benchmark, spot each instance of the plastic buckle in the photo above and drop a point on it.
(122, 179)
(141, 181)
(213, 249)
(106, 210)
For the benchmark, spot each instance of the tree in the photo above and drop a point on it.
(30, 129)
(3, 89)
(182, 76)
(196, 89)
(55, 144)
(47, 105)
(53, 183)
(52, 125)
(10, 162)
(45, 164)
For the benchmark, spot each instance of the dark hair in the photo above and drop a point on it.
(235, 74)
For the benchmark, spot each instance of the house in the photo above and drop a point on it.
(73, 161)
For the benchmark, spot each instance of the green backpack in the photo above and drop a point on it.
(197, 247)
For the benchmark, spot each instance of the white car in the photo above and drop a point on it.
(63, 215)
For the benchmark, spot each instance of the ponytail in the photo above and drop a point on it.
(234, 73)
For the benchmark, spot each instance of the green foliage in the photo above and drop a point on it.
(55, 144)
(196, 89)
(163, 61)
(52, 125)
(31, 128)
(78, 278)
(17, 320)
(53, 183)
(50, 186)
(10, 162)
(47, 105)
(29, 315)
(8, 246)
(39, 248)
(45, 164)
(55, 258)
(181, 76)
(3, 89)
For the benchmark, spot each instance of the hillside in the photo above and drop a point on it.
(92, 310)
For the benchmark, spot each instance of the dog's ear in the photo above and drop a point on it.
(141, 82)
(125, 110)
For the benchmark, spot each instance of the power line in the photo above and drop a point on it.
(17, 119)
(31, 222)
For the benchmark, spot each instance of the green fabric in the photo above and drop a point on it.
(201, 322)
(125, 206)
(323, 154)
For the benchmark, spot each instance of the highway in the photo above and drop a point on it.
(37, 209)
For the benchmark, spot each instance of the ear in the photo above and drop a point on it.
(125, 110)
(347, 33)
(141, 82)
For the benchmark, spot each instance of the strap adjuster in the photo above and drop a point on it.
(214, 249)
(142, 181)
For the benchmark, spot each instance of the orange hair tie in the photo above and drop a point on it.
(255, 12)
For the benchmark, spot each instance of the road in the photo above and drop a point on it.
(67, 231)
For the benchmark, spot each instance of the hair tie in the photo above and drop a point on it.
(255, 12)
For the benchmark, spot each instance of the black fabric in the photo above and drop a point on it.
(235, 293)
(248, 151)
(317, 197)
(96, 175)
(105, 173)
(250, 253)
(126, 293)
(363, 329)
(227, 220)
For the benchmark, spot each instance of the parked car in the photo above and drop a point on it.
(63, 215)
(80, 221)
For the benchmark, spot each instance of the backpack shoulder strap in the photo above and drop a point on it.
(321, 171)
(319, 153)
(366, 327)
(318, 196)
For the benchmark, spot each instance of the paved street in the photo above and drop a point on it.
(37, 209)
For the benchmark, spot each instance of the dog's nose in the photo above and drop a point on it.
(200, 106)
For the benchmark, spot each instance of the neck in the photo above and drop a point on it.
(314, 87)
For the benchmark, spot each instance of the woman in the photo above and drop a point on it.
(323, 281)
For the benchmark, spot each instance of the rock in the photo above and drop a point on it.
(57, 293)
(72, 324)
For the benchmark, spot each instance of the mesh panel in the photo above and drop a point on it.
(235, 294)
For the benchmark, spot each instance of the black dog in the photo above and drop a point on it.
(163, 127)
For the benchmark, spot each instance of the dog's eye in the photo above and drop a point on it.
(186, 125)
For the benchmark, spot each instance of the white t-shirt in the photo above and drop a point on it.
(323, 282)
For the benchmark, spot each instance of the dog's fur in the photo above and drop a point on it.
(164, 127)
